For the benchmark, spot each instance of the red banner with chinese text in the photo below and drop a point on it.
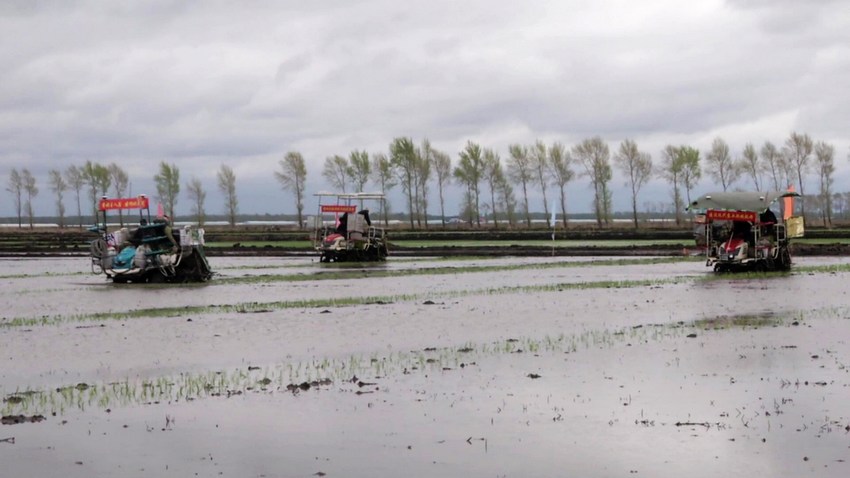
(339, 208)
(123, 203)
(716, 215)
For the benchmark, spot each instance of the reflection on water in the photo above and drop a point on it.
(694, 378)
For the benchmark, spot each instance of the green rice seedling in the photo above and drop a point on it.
(739, 321)
(46, 274)
(185, 385)
(827, 269)
(360, 272)
(327, 302)
(298, 265)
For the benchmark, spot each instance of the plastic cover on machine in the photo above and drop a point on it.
(794, 227)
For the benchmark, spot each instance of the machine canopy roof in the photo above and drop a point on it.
(350, 196)
(739, 201)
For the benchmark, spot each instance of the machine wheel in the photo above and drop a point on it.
(783, 262)
(156, 278)
(372, 254)
(98, 248)
(194, 268)
(770, 264)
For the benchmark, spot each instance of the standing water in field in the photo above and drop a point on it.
(507, 367)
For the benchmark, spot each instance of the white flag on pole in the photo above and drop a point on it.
(553, 226)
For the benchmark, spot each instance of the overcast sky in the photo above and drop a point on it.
(205, 83)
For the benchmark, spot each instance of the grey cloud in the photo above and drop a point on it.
(208, 82)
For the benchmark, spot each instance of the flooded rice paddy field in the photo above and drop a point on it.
(427, 367)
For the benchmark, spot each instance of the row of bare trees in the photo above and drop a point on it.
(492, 188)
(489, 186)
(96, 180)
(768, 167)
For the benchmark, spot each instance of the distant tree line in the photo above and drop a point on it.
(500, 190)
(93, 181)
(492, 188)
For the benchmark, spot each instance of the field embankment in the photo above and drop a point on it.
(575, 241)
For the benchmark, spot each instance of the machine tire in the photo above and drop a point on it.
(770, 264)
(155, 278)
(98, 248)
(372, 254)
(784, 260)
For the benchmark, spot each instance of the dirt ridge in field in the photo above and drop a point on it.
(74, 242)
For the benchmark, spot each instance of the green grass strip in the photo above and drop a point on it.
(823, 269)
(370, 272)
(45, 274)
(253, 307)
(322, 372)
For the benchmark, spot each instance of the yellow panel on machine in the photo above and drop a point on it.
(794, 226)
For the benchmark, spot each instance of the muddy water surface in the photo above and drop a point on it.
(502, 372)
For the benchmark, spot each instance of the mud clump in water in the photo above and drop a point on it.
(18, 419)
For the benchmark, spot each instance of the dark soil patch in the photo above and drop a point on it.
(18, 419)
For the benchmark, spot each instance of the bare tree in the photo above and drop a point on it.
(797, 151)
(227, 185)
(637, 166)
(424, 161)
(839, 205)
(197, 195)
(844, 198)
(337, 172)
(825, 165)
(751, 165)
(594, 155)
(492, 173)
(773, 159)
(540, 163)
(720, 165)
(384, 176)
(58, 186)
(98, 181)
(443, 171)
(560, 164)
(168, 186)
(360, 168)
(120, 182)
(671, 171)
(691, 171)
(506, 198)
(293, 176)
(520, 172)
(16, 187)
(76, 180)
(403, 158)
(469, 171)
(32, 191)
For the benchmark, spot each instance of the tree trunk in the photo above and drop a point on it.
(525, 199)
(442, 207)
(634, 210)
(493, 202)
(563, 207)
